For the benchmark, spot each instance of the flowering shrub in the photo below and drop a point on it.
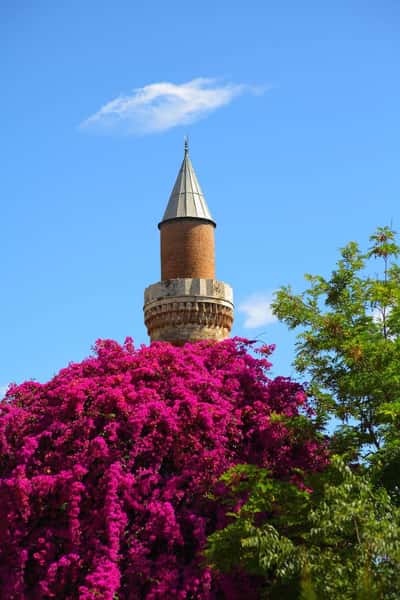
(109, 472)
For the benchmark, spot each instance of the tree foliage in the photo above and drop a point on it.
(349, 349)
(339, 540)
(109, 472)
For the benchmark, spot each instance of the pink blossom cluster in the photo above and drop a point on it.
(108, 472)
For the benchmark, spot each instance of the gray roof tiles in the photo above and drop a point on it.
(187, 199)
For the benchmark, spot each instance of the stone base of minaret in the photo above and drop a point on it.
(188, 310)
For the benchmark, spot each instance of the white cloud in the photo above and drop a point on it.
(3, 389)
(161, 106)
(257, 311)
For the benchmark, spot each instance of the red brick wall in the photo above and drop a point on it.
(187, 250)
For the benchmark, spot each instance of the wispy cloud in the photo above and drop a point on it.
(3, 389)
(257, 310)
(161, 106)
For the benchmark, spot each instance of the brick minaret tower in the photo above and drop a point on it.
(188, 304)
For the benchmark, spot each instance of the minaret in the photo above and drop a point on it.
(188, 304)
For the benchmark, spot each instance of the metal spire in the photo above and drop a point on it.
(187, 199)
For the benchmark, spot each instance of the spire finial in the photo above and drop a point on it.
(186, 199)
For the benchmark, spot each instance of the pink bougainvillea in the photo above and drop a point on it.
(107, 472)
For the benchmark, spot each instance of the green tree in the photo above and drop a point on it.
(348, 347)
(342, 540)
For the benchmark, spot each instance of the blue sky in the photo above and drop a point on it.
(292, 109)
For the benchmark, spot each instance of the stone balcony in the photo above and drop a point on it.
(188, 310)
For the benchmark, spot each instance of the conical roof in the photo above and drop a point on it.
(186, 199)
